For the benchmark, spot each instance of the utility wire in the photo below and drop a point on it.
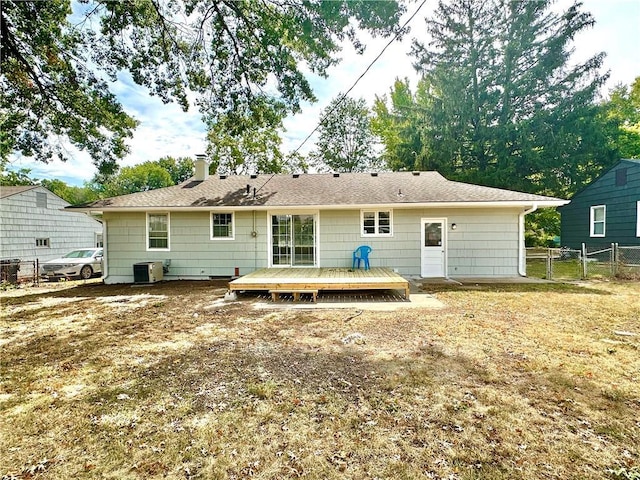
(337, 104)
(360, 77)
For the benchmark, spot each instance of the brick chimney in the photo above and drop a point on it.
(202, 168)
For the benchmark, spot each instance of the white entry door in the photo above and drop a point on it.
(433, 250)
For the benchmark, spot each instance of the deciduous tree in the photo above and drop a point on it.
(180, 169)
(400, 121)
(622, 108)
(72, 194)
(139, 178)
(244, 149)
(11, 178)
(233, 58)
(345, 139)
(49, 94)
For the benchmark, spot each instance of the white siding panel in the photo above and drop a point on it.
(22, 221)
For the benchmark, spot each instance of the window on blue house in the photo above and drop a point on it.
(598, 220)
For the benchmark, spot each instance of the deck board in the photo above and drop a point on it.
(332, 278)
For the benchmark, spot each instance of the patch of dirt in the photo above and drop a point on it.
(171, 381)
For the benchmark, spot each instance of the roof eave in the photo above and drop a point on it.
(463, 204)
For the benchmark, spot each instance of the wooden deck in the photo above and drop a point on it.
(309, 279)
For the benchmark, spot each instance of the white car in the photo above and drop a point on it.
(83, 263)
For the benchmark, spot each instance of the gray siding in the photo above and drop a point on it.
(621, 212)
(22, 221)
(192, 253)
(484, 244)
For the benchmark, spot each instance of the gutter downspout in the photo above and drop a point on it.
(522, 263)
(105, 260)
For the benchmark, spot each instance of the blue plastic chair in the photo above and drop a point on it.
(361, 254)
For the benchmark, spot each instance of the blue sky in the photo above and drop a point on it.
(166, 130)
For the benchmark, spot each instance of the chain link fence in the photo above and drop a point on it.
(628, 262)
(14, 271)
(611, 261)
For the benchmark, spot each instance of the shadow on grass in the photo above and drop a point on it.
(98, 290)
(263, 394)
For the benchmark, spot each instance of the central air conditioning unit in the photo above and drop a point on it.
(147, 272)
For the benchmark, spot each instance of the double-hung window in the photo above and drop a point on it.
(157, 231)
(222, 226)
(598, 219)
(376, 223)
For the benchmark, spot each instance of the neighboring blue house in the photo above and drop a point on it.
(606, 211)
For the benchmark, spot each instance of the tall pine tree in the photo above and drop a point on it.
(504, 104)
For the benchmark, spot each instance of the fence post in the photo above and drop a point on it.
(583, 258)
(612, 257)
(549, 274)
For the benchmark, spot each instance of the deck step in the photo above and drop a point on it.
(275, 294)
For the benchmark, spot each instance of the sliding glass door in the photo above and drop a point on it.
(293, 240)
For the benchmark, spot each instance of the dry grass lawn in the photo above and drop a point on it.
(521, 381)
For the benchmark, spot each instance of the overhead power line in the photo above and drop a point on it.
(344, 95)
(373, 62)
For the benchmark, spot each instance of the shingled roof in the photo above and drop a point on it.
(9, 191)
(335, 190)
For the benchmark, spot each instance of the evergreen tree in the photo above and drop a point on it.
(504, 105)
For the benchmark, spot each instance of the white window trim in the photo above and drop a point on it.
(638, 215)
(233, 226)
(168, 232)
(316, 216)
(592, 222)
(363, 234)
